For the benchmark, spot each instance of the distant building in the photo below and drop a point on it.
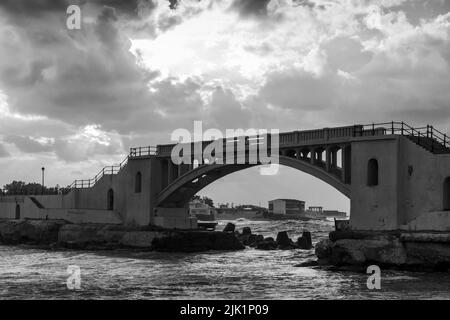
(334, 213)
(286, 206)
(202, 211)
(318, 212)
(241, 211)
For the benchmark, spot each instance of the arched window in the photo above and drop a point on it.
(138, 183)
(17, 212)
(446, 199)
(372, 172)
(110, 200)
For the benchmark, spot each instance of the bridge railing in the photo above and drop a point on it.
(115, 169)
(319, 134)
(143, 151)
(426, 135)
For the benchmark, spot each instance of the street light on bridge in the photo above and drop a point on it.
(43, 170)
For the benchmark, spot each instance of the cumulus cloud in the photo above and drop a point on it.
(29, 145)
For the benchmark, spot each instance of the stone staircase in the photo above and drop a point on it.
(429, 144)
(37, 203)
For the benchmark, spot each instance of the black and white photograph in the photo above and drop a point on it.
(225, 155)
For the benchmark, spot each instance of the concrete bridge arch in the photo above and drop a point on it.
(181, 190)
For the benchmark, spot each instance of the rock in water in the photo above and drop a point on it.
(267, 244)
(323, 250)
(283, 241)
(254, 239)
(305, 242)
(196, 241)
(229, 227)
(247, 231)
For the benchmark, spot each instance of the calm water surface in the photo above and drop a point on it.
(30, 273)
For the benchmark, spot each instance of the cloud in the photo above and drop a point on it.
(251, 7)
(3, 152)
(28, 145)
(78, 79)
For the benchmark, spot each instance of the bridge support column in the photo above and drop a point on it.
(298, 154)
(346, 164)
(313, 156)
(328, 159)
(169, 172)
(172, 172)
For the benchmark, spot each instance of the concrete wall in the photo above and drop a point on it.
(375, 207)
(90, 205)
(429, 221)
(29, 210)
(421, 176)
(409, 194)
(133, 208)
(8, 206)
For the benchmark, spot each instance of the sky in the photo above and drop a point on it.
(74, 101)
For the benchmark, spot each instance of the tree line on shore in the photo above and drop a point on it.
(33, 188)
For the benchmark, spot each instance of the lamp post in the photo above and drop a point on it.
(43, 170)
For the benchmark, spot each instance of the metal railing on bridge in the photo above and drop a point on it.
(426, 136)
(115, 169)
(143, 151)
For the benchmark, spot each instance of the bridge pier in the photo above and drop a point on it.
(346, 164)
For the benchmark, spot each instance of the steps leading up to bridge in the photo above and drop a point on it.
(429, 144)
(37, 203)
(427, 137)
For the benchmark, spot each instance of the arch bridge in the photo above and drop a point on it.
(382, 168)
(395, 175)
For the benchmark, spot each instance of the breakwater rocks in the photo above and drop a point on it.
(399, 250)
(282, 242)
(60, 234)
(195, 241)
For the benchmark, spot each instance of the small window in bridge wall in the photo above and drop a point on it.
(110, 203)
(372, 172)
(17, 212)
(446, 194)
(138, 183)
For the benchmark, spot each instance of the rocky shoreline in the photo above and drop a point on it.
(56, 234)
(59, 234)
(282, 242)
(420, 251)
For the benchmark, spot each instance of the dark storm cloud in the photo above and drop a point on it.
(89, 76)
(173, 4)
(17, 9)
(251, 7)
(33, 8)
